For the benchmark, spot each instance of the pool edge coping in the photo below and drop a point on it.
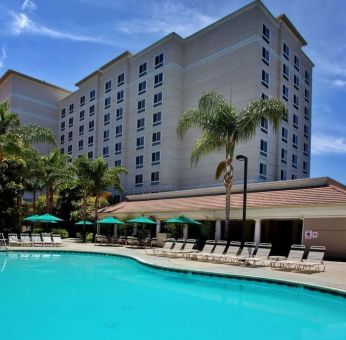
(244, 277)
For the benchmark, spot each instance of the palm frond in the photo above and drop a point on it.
(189, 119)
(35, 134)
(220, 169)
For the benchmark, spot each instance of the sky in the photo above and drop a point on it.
(63, 41)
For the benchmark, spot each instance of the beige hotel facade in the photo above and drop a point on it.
(127, 110)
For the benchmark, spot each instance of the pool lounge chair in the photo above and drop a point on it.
(13, 240)
(246, 253)
(207, 249)
(262, 255)
(101, 239)
(47, 239)
(217, 252)
(36, 239)
(314, 261)
(132, 241)
(157, 251)
(57, 241)
(25, 239)
(294, 257)
(178, 246)
(188, 249)
(232, 250)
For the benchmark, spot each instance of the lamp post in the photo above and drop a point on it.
(245, 159)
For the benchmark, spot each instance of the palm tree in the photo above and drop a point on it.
(223, 127)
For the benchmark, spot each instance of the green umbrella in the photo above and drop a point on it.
(110, 220)
(84, 223)
(47, 218)
(182, 220)
(142, 220)
(31, 218)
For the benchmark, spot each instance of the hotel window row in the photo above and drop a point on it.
(158, 62)
(154, 179)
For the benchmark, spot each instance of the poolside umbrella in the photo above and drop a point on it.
(84, 223)
(110, 220)
(47, 218)
(142, 220)
(31, 218)
(183, 220)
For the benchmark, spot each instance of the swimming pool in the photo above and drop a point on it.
(85, 296)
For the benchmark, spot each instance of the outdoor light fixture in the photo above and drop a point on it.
(245, 159)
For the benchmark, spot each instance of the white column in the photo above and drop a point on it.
(115, 232)
(98, 227)
(217, 230)
(257, 238)
(134, 232)
(185, 232)
(158, 227)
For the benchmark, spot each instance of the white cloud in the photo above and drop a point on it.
(28, 5)
(339, 83)
(3, 56)
(324, 144)
(22, 24)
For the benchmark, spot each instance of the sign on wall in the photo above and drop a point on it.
(308, 234)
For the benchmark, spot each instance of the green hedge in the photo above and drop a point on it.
(62, 232)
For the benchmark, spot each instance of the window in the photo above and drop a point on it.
(157, 118)
(118, 131)
(158, 80)
(294, 161)
(283, 175)
(63, 113)
(105, 151)
(266, 33)
(307, 95)
(286, 51)
(286, 71)
(117, 162)
(117, 148)
(138, 181)
(140, 124)
(264, 148)
(296, 101)
(264, 96)
(285, 92)
(139, 161)
(295, 121)
(141, 106)
(263, 171)
(81, 115)
(70, 135)
(108, 102)
(121, 79)
(306, 113)
(82, 100)
(296, 82)
(307, 77)
(90, 154)
(155, 177)
(92, 95)
(159, 60)
(62, 139)
(265, 56)
(91, 110)
(305, 167)
(306, 131)
(284, 156)
(284, 134)
(71, 108)
(142, 87)
(108, 86)
(296, 63)
(140, 143)
(295, 141)
(156, 138)
(142, 70)
(265, 78)
(70, 122)
(155, 158)
(69, 150)
(91, 141)
(62, 126)
(80, 144)
(106, 119)
(294, 176)
(306, 149)
(91, 125)
(81, 130)
(106, 135)
(62, 151)
(264, 125)
(157, 99)
(119, 114)
(120, 96)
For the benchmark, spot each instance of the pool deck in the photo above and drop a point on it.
(334, 277)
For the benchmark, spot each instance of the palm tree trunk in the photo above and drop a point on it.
(228, 178)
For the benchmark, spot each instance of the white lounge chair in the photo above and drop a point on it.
(232, 250)
(207, 249)
(13, 240)
(261, 256)
(188, 249)
(47, 239)
(57, 241)
(25, 239)
(36, 239)
(246, 253)
(178, 246)
(294, 256)
(314, 261)
(217, 252)
(157, 251)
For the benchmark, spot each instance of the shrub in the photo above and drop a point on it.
(38, 230)
(62, 232)
(89, 237)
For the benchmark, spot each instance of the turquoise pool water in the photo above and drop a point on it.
(81, 296)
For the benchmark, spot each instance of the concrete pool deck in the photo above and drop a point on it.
(333, 278)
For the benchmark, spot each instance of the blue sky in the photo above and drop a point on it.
(63, 41)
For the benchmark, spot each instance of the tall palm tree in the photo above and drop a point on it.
(223, 127)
